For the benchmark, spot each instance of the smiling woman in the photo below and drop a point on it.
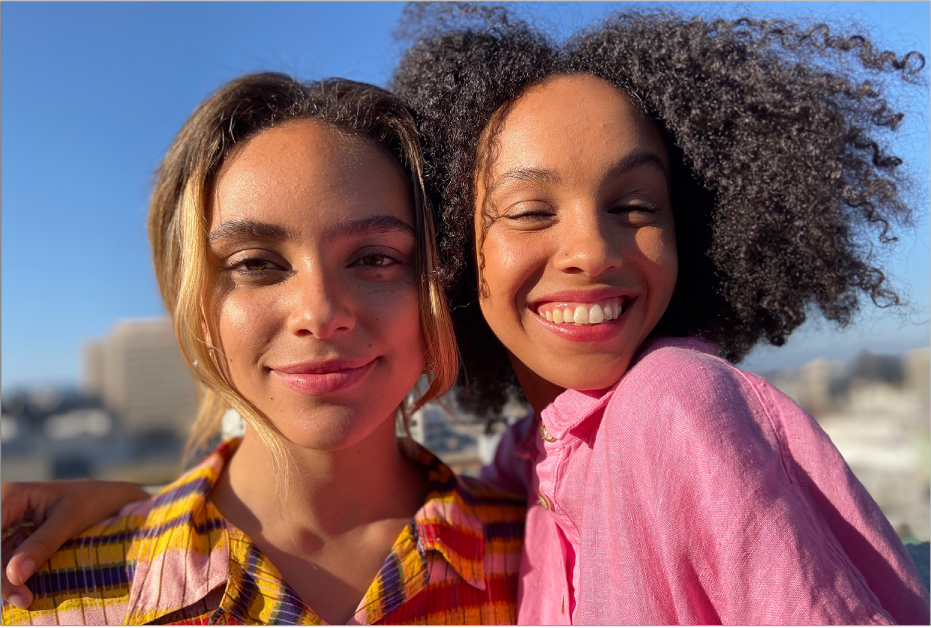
(295, 253)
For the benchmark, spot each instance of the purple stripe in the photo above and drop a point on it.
(57, 582)
(504, 530)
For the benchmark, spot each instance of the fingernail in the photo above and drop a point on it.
(18, 601)
(26, 569)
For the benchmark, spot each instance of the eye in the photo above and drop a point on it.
(634, 206)
(529, 211)
(255, 265)
(637, 212)
(253, 268)
(378, 262)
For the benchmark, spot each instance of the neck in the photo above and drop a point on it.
(539, 392)
(329, 493)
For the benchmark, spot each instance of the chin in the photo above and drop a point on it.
(586, 376)
(334, 429)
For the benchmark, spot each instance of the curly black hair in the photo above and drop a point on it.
(784, 193)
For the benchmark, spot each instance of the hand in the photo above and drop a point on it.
(38, 517)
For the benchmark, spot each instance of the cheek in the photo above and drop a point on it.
(394, 311)
(244, 326)
(658, 249)
(512, 263)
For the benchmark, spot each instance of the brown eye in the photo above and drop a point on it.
(375, 260)
(255, 264)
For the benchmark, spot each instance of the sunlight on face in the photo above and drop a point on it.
(579, 253)
(312, 255)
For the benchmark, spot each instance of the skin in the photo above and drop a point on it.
(574, 209)
(329, 275)
(554, 214)
(312, 261)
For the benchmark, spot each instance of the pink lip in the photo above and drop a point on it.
(324, 377)
(584, 296)
(584, 333)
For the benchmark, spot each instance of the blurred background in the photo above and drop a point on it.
(93, 93)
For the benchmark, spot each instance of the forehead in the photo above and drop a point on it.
(308, 169)
(572, 123)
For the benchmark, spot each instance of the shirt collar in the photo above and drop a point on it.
(448, 522)
(182, 547)
(184, 544)
(572, 408)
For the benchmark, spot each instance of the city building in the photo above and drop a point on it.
(140, 376)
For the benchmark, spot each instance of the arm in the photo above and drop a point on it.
(513, 467)
(739, 508)
(54, 512)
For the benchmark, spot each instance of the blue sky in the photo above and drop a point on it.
(94, 92)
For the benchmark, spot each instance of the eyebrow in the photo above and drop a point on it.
(634, 160)
(267, 231)
(373, 224)
(637, 159)
(530, 175)
(249, 229)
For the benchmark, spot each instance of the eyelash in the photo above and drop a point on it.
(647, 208)
(240, 266)
(380, 255)
(378, 261)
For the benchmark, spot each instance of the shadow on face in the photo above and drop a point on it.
(576, 236)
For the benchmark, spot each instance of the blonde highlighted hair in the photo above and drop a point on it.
(178, 224)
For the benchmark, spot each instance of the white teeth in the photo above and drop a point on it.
(596, 315)
(584, 314)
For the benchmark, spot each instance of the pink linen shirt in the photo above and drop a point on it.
(694, 493)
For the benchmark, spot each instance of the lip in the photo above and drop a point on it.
(584, 333)
(324, 377)
(583, 296)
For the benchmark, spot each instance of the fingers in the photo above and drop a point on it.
(18, 596)
(16, 502)
(39, 546)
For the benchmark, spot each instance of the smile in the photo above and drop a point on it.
(323, 378)
(570, 313)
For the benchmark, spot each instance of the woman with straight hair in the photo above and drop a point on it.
(295, 253)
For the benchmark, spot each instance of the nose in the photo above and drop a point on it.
(587, 245)
(321, 306)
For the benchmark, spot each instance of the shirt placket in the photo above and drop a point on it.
(552, 457)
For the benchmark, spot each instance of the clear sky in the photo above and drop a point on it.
(92, 94)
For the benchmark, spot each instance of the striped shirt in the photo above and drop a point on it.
(174, 559)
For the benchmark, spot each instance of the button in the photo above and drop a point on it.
(543, 501)
(545, 433)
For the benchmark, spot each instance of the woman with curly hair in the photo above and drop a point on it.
(621, 215)
(617, 216)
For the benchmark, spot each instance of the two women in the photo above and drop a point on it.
(615, 212)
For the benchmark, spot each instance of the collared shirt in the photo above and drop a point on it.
(175, 559)
(694, 493)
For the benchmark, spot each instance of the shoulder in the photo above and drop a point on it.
(680, 397)
(88, 580)
(96, 577)
(684, 375)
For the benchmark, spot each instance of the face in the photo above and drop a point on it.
(576, 234)
(312, 257)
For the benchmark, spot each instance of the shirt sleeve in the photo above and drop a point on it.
(513, 466)
(736, 508)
